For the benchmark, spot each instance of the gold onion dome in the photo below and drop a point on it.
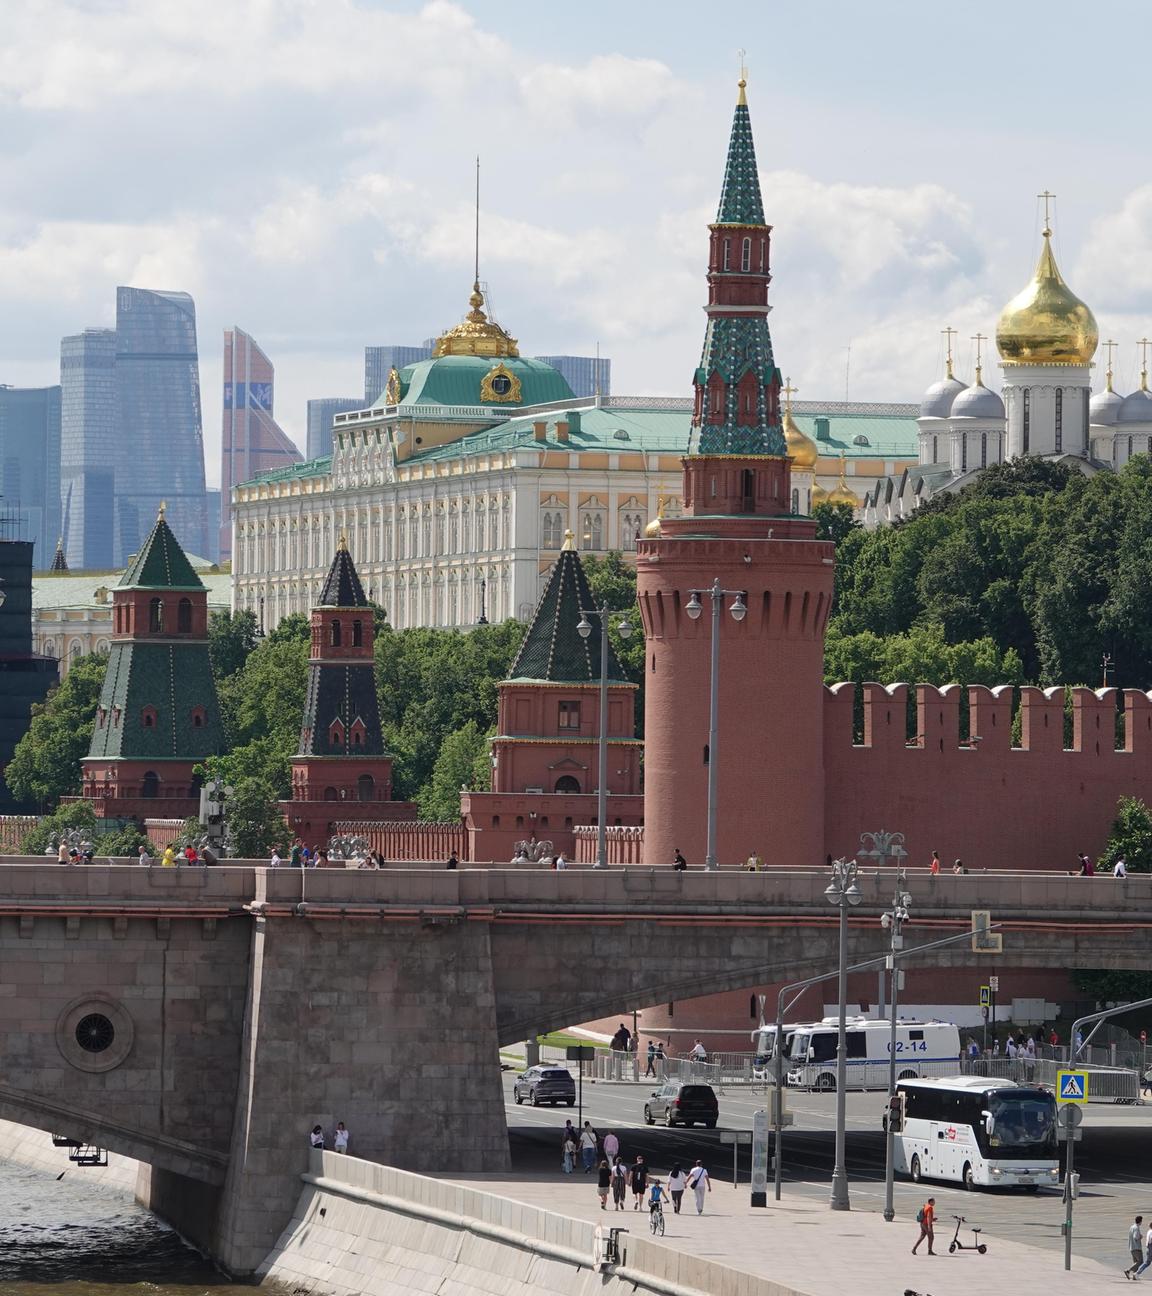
(1046, 323)
(842, 493)
(477, 335)
(802, 450)
(654, 530)
(819, 495)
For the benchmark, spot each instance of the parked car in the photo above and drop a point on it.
(545, 1084)
(682, 1104)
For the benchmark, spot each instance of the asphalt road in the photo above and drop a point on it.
(1114, 1159)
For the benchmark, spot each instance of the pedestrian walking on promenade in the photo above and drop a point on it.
(317, 1136)
(588, 1143)
(1147, 1255)
(677, 1182)
(650, 1069)
(926, 1218)
(274, 861)
(1135, 1246)
(340, 1138)
(934, 867)
(755, 863)
(453, 862)
(295, 853)
(699, 1182)
(638, 1177)
(698, 1053)
(680, 862)
(619, 1183)
(603, 1182)
(568, 1148)
(611, 1147)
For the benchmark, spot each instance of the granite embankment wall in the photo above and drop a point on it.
(32, 1148)
(360, 1227)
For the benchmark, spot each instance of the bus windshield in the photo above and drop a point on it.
(822, 1044)
(1020, 1122)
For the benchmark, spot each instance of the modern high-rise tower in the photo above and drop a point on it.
(159, 434)
(252, 442)
(30, 466)
(320, 415)
(89, 449)
(379, 361)
(586, 375)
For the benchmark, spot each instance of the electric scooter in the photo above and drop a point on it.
(957, 1245)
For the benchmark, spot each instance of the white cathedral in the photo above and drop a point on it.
(1046, 337)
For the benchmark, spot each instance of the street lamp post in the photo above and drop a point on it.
(895, 918)
(843, 892)
(738, 610)
(584, 629)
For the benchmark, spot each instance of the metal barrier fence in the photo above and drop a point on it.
(1105, 1083)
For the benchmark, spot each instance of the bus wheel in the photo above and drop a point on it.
(914, 1169)
(826, 1082)
(969, 1182)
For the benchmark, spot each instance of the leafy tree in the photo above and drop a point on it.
(611, 580)
(73, 814)
(1131, 836)
(1113, 985)
(463, 762)
(295, 628)
(835, 522)
(253, 817)
(119, 842)
(46, 763)
(231, 638)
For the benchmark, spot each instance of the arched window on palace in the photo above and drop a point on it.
(184, 616)
(156, 616)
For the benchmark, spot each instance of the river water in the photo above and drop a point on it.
(65, 1238)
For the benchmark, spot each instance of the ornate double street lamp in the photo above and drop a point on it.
(843, 892)
(738, 611)
(584, 629)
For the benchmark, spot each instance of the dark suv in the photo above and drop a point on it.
(545, 1084)
(682, 1104)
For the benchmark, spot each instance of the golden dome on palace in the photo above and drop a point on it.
(654, 530)
(842, 493)
(802, 450)
(1046, 323)
(477, 335)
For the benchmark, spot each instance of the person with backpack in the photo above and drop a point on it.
(926, 1218)
(699, 1182)
(588, 1142)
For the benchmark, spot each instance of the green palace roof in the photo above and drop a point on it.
(456, 380)
(553, 650)
(291, 472)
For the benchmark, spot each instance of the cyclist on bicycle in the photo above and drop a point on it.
(656, 1196)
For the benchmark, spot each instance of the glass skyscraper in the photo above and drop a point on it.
(159, 432)
(252, 442)
(379, 361)
(586, 375)
(320, 415)
(30, 466)
(89, 449)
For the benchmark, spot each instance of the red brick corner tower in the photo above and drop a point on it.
(342, 771)
(737, 527)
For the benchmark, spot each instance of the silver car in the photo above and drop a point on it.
(545, 1084)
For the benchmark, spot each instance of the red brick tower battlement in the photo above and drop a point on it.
(737, 527)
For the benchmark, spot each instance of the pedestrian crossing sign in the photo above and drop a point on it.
(1072, 1086)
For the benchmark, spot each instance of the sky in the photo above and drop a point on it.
(305, 169)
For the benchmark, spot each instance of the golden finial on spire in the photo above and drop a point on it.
(569, 541)
(160, 511)
(1047, 197)
(654, 529)
(948, 334)
(1144, 344)
(1109, 346)
(342, 543)
(789, 391)
(741, 98)
(979, 339)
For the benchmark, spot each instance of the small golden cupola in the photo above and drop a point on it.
(477, 335)
(653, 530)
(1046, 323)
(842, 493)
(802, 450)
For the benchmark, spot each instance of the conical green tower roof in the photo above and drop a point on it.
(740, 201)
(554, 651)
(342, 589)
(161, 564)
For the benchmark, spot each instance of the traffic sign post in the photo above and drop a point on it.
(736, 1137)
(1068, 1117)
(1072, 1087)
(580, 1053)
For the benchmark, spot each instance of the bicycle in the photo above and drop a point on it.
(656, 1218)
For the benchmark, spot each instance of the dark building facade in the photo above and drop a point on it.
(251, 441)
(30, 466)
(159, 429)
(89, 449)
(320, 415)
(158, 715)
(25, 677)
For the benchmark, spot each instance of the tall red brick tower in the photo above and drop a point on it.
(737, 528)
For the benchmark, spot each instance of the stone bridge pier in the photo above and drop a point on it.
(203, 1021)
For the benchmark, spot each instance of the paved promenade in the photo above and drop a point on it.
(802, 1245)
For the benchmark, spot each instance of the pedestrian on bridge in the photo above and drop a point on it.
(650, 1069)
(619, 1182)
(340, 1138)
(588, 1141)
(1135, 1246)
(700, 1182)
(639, 1180)
(755, 863)
(680, 862)
(317, 1137)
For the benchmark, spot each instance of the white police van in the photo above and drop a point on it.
(923, 1048)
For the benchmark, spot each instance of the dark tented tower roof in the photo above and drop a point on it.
(342, 588)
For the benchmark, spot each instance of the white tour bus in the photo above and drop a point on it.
(979, 1130)
(923, 1048)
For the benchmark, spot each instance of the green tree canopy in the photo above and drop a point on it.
(46, 763)
(1131, 836)
(463, 762)
(231, 637)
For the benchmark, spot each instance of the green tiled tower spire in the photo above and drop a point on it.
(553, 651)
(738, 384)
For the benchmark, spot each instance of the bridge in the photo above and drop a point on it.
(202, 1020)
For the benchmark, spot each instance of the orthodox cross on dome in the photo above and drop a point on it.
(1109, 346)
(789, 391)
(1047, 198)
(1144, 344)
(948, 334)
(979, 339)
(743, 82)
